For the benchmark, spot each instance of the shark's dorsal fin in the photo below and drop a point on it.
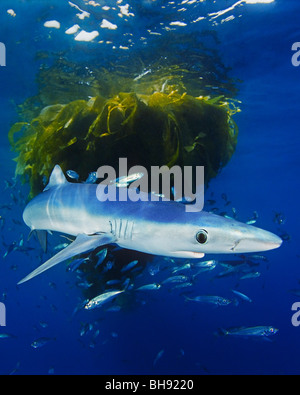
(57, 177)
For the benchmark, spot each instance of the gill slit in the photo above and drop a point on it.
(122, 229)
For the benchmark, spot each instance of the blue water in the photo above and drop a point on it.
(262, 176)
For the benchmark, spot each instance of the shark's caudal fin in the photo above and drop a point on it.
(57, 177)
(82, 243)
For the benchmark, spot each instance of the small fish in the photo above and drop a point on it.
(60, 246)
(114, 308)
(41, 342)
(7, 336)
(251, 222)
(85, 328)
(10, 184)
(211, 202)
(101, 255)
(92, 178)
(295, 292)
(256, 331)
(253, 219)
(5, 206)
(234, 212)
(142, 75)
(250, 275)
(126, 283)
(224, 197)
(124, 181)
(205, 264)
(108, 266)
(217, 300)
(52, 285)
(101, 299)
(258, 257)
(149, 287)
(79, 307)
(43, 324)
(182, 285)
(242, 296)
(279, 218)
(11, 247)
(51, 370)
(175, 279)
(72, 174)
(15, 370)
(285, 236)
(129, 266)
(74, 265)
(158, 356)
(113, 282)
(181, 268)
(85, 284)
(154, 269)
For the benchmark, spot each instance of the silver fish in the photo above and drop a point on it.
(149, 287)
(101, 299)
(158, 356)
(250, 275)
(175, 279)
(72, 174)
(256, 331)
(205, 264)
(129, 266)
(6, 336)
(181, 268)
(101, 256)
(182, 285)
(142, 75)
(41, 342)
(217, 300)
(113, 282)
(242, 296)
(123, 182)
(92, 178)
(154, 269)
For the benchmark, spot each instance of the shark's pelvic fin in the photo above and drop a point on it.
(57, 177)
(82, 243)
(42, 238)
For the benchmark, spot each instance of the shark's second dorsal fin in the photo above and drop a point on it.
(57, 177)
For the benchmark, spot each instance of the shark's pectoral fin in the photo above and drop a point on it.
(82, 243)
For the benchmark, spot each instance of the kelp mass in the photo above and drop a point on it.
(155, 130)
(152, 117)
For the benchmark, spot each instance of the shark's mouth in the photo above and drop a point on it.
(189, 254)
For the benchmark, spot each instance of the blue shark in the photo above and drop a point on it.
(162, 228)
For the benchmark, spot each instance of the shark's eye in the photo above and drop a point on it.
(202, 236)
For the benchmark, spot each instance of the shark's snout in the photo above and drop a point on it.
(257, 240)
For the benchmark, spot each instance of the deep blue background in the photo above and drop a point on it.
(263, 175)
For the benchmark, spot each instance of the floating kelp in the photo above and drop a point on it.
(173, 107)
(149, 130)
